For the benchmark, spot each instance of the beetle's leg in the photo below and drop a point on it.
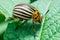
(12, 18)
(34, 29)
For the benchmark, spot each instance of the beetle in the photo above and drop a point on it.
(27, 12)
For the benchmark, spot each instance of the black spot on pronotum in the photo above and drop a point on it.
(36, 17)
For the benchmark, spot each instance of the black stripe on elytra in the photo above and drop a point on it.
(21, 12)
(22, 15)
(24, 10)
(31, 8)
(19, 17)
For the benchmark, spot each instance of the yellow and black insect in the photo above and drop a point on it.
(27, 12)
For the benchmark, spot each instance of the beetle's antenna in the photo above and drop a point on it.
(46, 12)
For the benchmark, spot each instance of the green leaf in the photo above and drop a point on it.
(3, 27)
(51, 26)
(24, 32)
(31, 1)
(1, 36)
(2, 17)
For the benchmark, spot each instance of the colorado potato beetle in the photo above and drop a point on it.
(27, 12)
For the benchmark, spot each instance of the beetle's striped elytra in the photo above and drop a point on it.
(27, 12)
